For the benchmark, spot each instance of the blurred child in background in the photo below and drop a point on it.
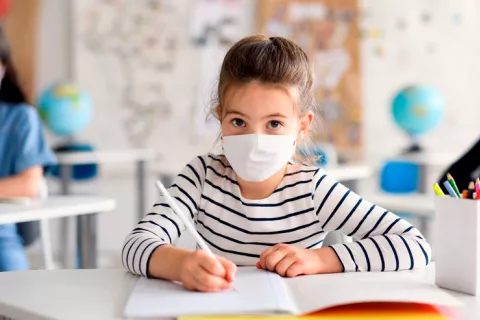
(23, 154)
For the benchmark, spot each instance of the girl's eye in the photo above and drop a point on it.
(274, 124)
(238, 122)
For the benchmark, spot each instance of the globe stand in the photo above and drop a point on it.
(415, 147)
(79, 172)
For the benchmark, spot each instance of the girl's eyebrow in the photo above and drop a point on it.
(237, 113)
(273, 115)
(276, 115)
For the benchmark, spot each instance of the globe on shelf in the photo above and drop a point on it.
(65, 109)
(418, 110)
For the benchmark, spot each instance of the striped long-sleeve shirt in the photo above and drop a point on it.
(303, 208)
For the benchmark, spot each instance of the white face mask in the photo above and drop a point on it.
(256, 157)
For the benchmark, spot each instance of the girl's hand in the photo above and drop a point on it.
(290, 261)
(202, 272)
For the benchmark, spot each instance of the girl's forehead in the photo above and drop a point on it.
(256, 97)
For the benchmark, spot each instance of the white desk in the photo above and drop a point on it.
(430, 159)
(66, 161)
(59, 207)
(422, 205)
(102, 157)
(350, 172)
(54, 207)
(101, 294)
(426, 161)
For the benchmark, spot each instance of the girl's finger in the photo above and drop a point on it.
(230, 268)
(212, 265)
(267, 253)
(207, 282)
(283, 265)
(295, 269)
(273, 258)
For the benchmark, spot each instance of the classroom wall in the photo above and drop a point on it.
(453, 69)
(54, 58)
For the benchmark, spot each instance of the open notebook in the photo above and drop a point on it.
(261, 292)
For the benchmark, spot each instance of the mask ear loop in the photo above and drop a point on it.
(296, 137)
(294, 150)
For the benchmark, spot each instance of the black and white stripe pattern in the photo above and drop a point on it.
(303, 208)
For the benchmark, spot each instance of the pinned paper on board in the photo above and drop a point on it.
(426, 17)
(328, 31)
(457, 18)
(401, 24)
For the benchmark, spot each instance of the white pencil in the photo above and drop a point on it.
(184, 218)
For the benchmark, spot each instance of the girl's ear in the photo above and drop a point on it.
(305, 123)
(218, 110)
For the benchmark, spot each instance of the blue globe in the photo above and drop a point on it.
(65, 109)
(418, 109)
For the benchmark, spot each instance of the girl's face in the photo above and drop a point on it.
(256, 108)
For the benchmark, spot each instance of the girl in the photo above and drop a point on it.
(23, 153)
(254, 205)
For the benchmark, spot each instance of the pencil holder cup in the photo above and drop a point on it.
(457, 244)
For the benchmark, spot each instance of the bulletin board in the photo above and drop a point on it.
(21, 25)
(328, 31)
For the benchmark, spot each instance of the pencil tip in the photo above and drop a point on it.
(471, 185)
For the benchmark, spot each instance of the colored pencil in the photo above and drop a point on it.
(471, 189)
(453, 184)
(438, 190)
(477, 189)
(450, 190)
(465, 194)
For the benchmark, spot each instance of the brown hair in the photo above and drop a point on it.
(269, 60)
(11, 91)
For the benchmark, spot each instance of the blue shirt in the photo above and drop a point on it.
(22, 143)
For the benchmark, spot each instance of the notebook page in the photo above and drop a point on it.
(313, 293)
(256, 292)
